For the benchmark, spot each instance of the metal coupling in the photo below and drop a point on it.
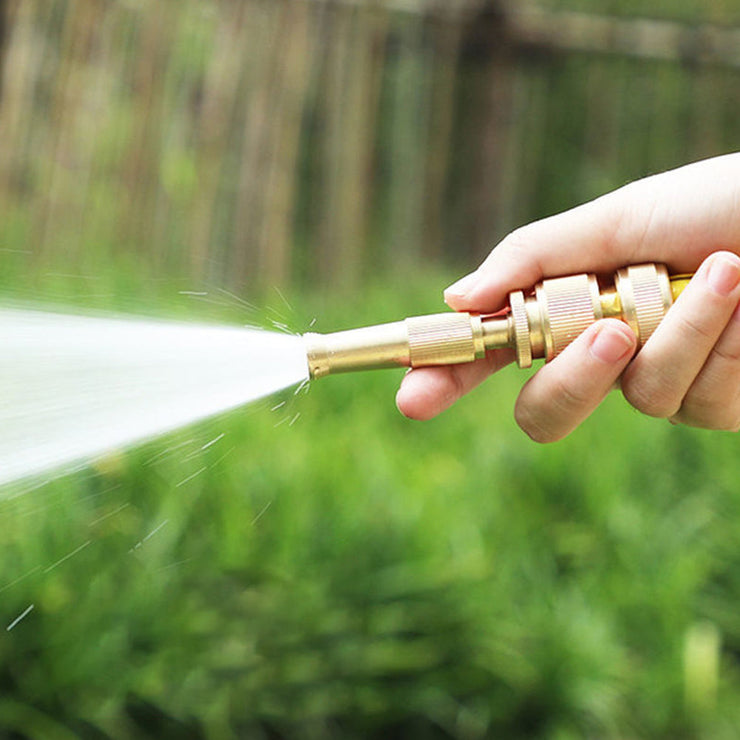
(540, 324)
(559, 309)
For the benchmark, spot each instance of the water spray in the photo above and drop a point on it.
(536, 325)
(73, 388)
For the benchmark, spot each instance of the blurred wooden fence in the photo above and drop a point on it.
(271, 141)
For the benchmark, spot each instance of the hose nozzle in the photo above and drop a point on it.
(418, 341)
(540, 324)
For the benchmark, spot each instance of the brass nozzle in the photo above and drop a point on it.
(538, 325)
(437, 339)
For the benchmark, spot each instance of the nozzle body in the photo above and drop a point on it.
(419, 341)
(537, 325)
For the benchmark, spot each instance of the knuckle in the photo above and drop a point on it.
(651, 398)
(693, 330)
(632, 209)
(713, 400)
(517, 242)
(529, 419)
(729, 353)
(709, 412)
(568, 399)
(728, 347)
(456, 387)
(518, 239)
(549, 418)
(731, 425)
(707, 420)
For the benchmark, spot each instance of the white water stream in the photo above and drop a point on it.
(75, 387)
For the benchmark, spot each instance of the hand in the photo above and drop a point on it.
(688, 371)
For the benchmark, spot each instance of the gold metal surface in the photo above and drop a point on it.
(444, 339)
(678, 283)
(419, 341)
(646, 296)
(566, 306)
(384, 345)
(611, 303)
(521, 335)
(538, 325)
(498, 331)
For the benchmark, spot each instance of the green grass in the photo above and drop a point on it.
(354, 574)
(346, 573)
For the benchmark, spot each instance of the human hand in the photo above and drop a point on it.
(688, 371)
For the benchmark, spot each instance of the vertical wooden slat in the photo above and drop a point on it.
(276, 234)
(86, 106)
(150, 57)
(213, 129)
(48, 155)
(22, 55)
(337, 24)
(446, 44)
(708, 89)
(116, 136)
(350, 110)
(497, 112)
(532, 119)
(604, 82)
(266, 21)
(667, 132)
(408, 143)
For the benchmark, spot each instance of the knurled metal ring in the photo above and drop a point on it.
(521, 329)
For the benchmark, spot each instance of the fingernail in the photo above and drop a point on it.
(463, 286)
(611, 345)
(724, 275)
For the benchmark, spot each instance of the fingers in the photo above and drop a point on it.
(713, 401)
(562, 244)
(685, 370)
(688, 371)
(565, 392)
(677, 217)
(427, 391)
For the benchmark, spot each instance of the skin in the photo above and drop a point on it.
(688, 371)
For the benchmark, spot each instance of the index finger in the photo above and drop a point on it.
(677, 217)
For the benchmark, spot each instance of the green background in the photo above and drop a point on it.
(326, 568)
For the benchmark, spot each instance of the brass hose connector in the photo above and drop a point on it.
(538, 325)
(561, 308)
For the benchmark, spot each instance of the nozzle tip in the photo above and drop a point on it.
(316, 355)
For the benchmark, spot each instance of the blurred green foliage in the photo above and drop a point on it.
(329, 569)
(272, 142)
(723, 11)
(326, 569)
